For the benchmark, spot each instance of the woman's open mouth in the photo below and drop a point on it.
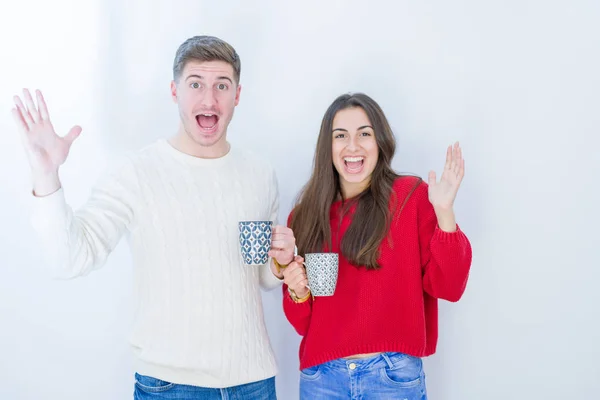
(354, 165)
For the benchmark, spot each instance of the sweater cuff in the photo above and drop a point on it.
(48, 210)
(288, 298)
(268, 281)
(447, 237)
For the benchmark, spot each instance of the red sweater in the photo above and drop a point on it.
(394, 308)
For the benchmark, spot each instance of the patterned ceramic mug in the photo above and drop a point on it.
(255, 241)
(322, 272)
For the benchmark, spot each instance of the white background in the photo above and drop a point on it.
(517, 82)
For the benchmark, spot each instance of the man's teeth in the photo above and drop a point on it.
(353, 159)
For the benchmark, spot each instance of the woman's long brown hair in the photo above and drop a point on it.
(371, 220)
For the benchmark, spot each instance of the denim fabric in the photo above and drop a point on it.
(390, 376)
(148, 388)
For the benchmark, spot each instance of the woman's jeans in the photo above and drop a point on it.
(387, 376)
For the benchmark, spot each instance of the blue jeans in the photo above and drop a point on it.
(148, 388)
(386, 376)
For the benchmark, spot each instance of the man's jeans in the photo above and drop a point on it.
(148, 388)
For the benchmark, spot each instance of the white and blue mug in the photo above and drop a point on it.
(255, 241)
(322, 272)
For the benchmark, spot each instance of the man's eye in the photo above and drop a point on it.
(195, 85)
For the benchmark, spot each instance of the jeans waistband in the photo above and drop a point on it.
(374, 362)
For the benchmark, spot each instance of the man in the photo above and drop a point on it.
(199, 330)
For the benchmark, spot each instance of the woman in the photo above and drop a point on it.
(400, 250)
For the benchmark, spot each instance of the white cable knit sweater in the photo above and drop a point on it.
(199, 317)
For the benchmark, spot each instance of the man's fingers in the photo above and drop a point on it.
(42, 105)
(282, 245)
(283, 230)
(277, 244)
(280, 236)
(23, 110)
(18, 118)
(279, 253)
(31, 106)
(275, 253)
(73, 134)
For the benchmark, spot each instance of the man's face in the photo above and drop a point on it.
(206, 94)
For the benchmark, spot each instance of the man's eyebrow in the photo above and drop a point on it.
(200, 77)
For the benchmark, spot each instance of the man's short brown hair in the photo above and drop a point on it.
(206, 48)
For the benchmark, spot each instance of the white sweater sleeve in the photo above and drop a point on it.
(78, 242)
(268, 281)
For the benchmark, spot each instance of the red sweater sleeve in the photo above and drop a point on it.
(298, 314)
(445, 256)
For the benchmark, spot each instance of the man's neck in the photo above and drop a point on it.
(184, 144)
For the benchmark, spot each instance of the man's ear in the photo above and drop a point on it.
(237, 94)
(174, 91)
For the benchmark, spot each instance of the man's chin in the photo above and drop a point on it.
(206, 139)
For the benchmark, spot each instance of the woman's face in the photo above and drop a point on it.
(354, 150)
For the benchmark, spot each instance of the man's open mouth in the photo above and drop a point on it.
(207, 121)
